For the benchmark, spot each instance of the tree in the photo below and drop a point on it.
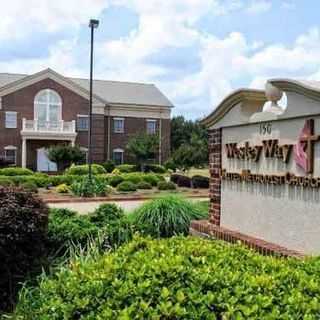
(64, 155)
(143, 147)
(189, 143)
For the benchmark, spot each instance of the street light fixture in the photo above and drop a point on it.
(93, 24)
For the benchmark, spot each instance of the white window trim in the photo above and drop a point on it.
(11, 148)
(82, 116)
(118, 150)
(16, 120)
(47, 104)
(114, 128)
(155, 127)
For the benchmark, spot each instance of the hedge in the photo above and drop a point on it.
(127, 168)
(164, 185)
(84, 169)
(177, 278)
(126, 186)
(181, 180)
(15, 171)
(200, 182)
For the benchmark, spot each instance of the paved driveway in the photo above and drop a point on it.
(86, 207)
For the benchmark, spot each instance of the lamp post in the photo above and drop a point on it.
(93, 24)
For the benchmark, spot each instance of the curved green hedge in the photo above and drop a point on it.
(177, 278)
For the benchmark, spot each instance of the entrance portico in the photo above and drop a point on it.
(43, 136)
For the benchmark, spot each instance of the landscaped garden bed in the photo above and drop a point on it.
(121, 182)
(142, 265)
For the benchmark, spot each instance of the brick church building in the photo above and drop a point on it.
(46, 108)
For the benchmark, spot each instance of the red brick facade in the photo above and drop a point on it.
(215, 137)
(22, 102)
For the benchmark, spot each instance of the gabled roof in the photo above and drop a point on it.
(111, 92)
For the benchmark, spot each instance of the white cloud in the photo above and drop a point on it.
(21, 17)
(225, 63)
(258, 6)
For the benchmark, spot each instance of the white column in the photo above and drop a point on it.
(24, 153)
(72, 142)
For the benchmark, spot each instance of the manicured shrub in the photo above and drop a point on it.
(62, 188)
(127, 168)
(84, 169)
(115, 180)
(156, 168)
(126, 186)
(15, 171)
(167, 216)
(144, 185)
(23, 229)
(166, 185)
(6, 182)
(64, 179)
(67, 228)
(200, 182)
(151, 178)
(40, 179)
(177, 278)
(109, 166)
(87, 188)
(29, 186)
(181, 181)
(106, 214)
(135, 177)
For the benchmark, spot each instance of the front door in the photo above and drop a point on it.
(43, 162)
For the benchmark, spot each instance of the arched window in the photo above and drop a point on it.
(47, 106)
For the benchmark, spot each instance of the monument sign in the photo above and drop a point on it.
(265, 164)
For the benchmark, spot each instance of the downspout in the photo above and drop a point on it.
(108, 135)
(160, 139)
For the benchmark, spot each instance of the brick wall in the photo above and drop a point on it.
(132, 126)
(215, 137)
(22, 101)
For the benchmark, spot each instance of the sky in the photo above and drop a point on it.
(195, 51)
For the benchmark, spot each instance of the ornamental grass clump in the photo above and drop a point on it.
(177, 278)
(167, 216)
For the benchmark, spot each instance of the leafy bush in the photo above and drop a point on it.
(64, 179)
(87, 188)
(177, 278)
(116, 171)
(66, 227)
(156, 168)
(144, 185)
(15, 171)
(115, 180)
(170, 165)
(127, 168)
(29, 186)
(167, 216)
(126, 186)
(23, 228)
(109, 166)
(106, 214)
(181, 181)
(62, 188)
(40, 179)
(166, 185)
(133, 177)
(200, 182)
(151, 179)
(6, 182)
(84, 169)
